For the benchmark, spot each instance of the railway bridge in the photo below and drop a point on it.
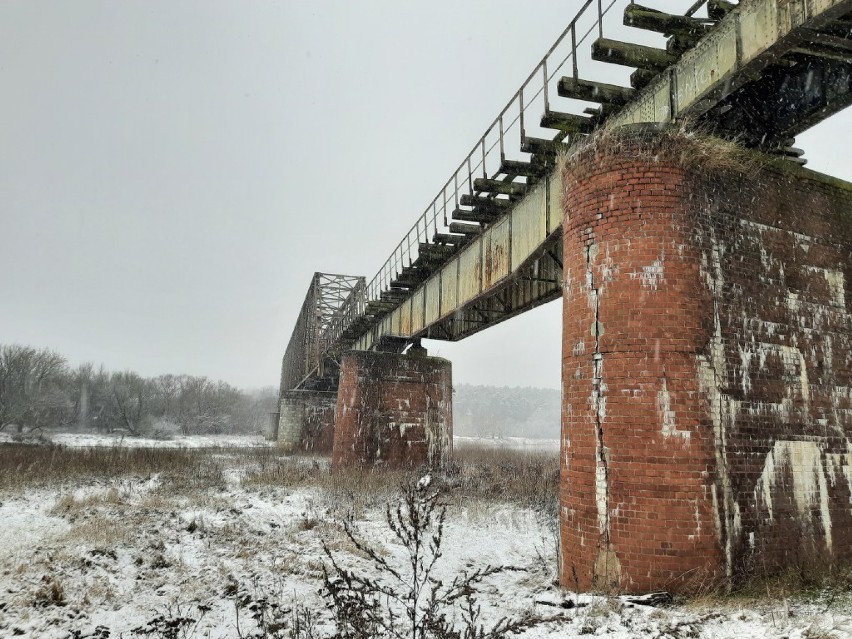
(706, 283)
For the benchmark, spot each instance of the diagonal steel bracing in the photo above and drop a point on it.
(760, 71)
(328, 299)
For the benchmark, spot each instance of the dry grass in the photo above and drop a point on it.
(528, 479)
(808, 582)
(492, 475)
(685, 144)
(99, 530)
(50, 592)
(69, 503)
(32, 466)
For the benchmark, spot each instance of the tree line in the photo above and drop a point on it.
(39, 390)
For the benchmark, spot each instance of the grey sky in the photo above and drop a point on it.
(174, 172)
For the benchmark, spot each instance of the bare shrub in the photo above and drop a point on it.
(173, 623)
(408, 600)
(272, 618)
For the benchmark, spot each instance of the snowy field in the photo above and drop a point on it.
(101, 440)
(83, 440)
(212, 530)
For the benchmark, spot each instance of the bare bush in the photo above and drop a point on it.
(30, 388)
(409, 600)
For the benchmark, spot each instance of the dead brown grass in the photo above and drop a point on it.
(527, 478)
(34, 465)
(27, 466)
(69, 503)
(685, 144)
(494, 475)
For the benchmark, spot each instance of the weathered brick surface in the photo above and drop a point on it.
(394, 410)
(306, 420)
(707, 372)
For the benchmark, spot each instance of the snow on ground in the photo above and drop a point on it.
(101, 440)
(83, 555)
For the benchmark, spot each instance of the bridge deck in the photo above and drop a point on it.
(487, 247)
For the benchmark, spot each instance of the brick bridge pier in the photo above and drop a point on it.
(390, 410)
(707, 365)
(706, 371)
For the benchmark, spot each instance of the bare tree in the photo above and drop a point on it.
(205, 406)
(129, 398)
(31, 393)
(38, 390)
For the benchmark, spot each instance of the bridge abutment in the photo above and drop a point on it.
(393, 410)
(306, 420)
(707, 365)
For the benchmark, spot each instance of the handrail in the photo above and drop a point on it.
(406, 251)
(434, 218)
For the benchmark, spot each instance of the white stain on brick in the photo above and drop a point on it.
(803, 460)
(601, 496)
(841, 465)
(650, 276)
(837, 285)
(609, 269)
(667, 415)
(793, 361)
(746, 355)
(723, 409)
(793, 301)
(803, 240)
(597, 398)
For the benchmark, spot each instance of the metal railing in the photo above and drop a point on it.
(299, 356)
(488, 156)
(489, 153)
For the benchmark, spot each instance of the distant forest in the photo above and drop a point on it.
(503, 411)
(40, 391)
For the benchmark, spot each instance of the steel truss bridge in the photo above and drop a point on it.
(487, 247)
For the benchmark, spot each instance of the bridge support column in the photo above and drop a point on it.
(707, 385)
(306, 420)
(393, 410)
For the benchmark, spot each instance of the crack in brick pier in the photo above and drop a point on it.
(598, 402)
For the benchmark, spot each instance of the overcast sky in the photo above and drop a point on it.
(173, 172)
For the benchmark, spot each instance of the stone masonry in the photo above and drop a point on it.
(306, 420)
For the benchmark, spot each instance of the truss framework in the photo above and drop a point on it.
(312, 335)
